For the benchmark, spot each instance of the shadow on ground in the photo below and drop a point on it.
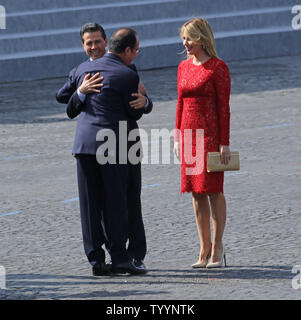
(42, 286)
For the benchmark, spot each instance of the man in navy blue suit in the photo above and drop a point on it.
(94, 42)
(105, 111)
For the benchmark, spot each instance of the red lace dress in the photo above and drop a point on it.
(203, 103)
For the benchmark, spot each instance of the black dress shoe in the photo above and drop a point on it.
(127, 267)
(139, 264)
(101, 269)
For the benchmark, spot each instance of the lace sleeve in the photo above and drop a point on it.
(222, 83)
(179, 105)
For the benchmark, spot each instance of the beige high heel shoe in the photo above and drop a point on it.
(202, 264)
(218, 264)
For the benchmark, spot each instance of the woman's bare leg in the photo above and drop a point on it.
(218, 208)
(202, 218)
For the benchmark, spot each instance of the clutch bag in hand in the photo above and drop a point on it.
(214, 162)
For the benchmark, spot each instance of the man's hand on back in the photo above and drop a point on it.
(91, 84)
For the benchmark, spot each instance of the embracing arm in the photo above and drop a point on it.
(131, 100)
(77, 100)
(149, 104)
(149, 107)
(74, 106)
(134, 101)
(65, 92)
(142, 99)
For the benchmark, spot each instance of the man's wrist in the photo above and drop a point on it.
(81, 95)
(146, 104)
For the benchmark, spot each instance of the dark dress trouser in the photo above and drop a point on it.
(103, 187)
(137, 240)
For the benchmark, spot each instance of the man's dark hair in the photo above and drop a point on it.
(121, 39)
(92, 27)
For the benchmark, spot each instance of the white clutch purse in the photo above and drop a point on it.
(214, 162)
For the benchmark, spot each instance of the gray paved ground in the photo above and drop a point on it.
(41, 243)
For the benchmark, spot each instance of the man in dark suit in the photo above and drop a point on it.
(94, 42)
(105, 111)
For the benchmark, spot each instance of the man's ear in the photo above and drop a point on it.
(106, 41)
(127, 50)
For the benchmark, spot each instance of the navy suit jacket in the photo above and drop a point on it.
(63, 95)
(107, 108)
(68, 95)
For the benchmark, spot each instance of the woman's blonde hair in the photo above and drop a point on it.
(200, 32)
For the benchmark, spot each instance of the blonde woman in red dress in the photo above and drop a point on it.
(203, 103)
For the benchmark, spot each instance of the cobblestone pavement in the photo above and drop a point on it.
(41, 242)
